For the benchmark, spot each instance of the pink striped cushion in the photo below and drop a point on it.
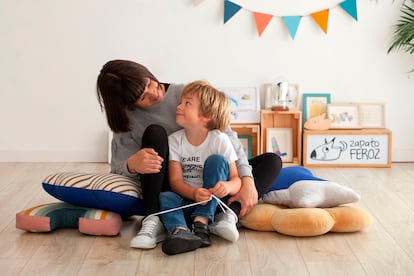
(48, 217)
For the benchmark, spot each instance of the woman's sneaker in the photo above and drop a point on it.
(180, 241)
(152, 232)
(224, 226)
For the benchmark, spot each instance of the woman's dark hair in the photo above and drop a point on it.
(120, 84)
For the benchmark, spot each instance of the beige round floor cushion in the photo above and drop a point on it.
(304, 222)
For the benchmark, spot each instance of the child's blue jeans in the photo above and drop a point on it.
(216, 168)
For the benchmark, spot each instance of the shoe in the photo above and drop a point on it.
(152, 232)
(180, 241)
(224, 226)
(201, 230)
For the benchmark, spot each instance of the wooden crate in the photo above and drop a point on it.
(347, 148)
(291, 119)
(249, 134)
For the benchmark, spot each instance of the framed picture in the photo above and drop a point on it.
(372, 115)
(244, 104)
(246, 141)
(315, 104)
(279, 141)
(344, 115)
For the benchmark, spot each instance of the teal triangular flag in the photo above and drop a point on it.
(350, 7)
(292, 24)
(230, 9)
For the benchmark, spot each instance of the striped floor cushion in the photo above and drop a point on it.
(48, 217)
(105, 191)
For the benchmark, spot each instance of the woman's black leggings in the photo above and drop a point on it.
(265, 168)
(153, 184)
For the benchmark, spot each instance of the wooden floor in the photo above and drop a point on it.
(385, 248)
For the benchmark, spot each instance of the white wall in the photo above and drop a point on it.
(51, 52)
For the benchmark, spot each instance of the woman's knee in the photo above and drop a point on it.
(267, 159)
(273, 159)
(154, 131)
(155, 136)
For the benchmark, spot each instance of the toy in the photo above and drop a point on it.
(48, 217)
(312, 193)
(319, 122)
(295, 186)
(306, 222)
(107, 191)
(298, 187)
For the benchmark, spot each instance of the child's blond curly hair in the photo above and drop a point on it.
(213, 103)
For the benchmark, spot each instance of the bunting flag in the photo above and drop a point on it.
(350, 7)
(262, 20)
(230, 9)
(291, 22)
(321, 18)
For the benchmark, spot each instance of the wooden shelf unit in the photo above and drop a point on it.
(252, 131)
(283, 119)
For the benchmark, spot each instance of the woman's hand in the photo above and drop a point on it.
(247, 196)
(145, 161)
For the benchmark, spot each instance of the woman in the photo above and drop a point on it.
(141, 112)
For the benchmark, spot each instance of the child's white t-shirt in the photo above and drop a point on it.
(192, 158)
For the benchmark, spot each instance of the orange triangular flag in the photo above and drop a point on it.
(262, 20)
(321, 18)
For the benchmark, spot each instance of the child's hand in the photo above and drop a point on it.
(220, 190)
(201, 194)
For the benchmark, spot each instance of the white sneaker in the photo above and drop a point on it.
(152, 232)
(224, 226)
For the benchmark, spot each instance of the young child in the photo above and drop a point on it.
(201, 164)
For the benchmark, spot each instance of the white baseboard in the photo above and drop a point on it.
(402, 155)
(53, 156)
